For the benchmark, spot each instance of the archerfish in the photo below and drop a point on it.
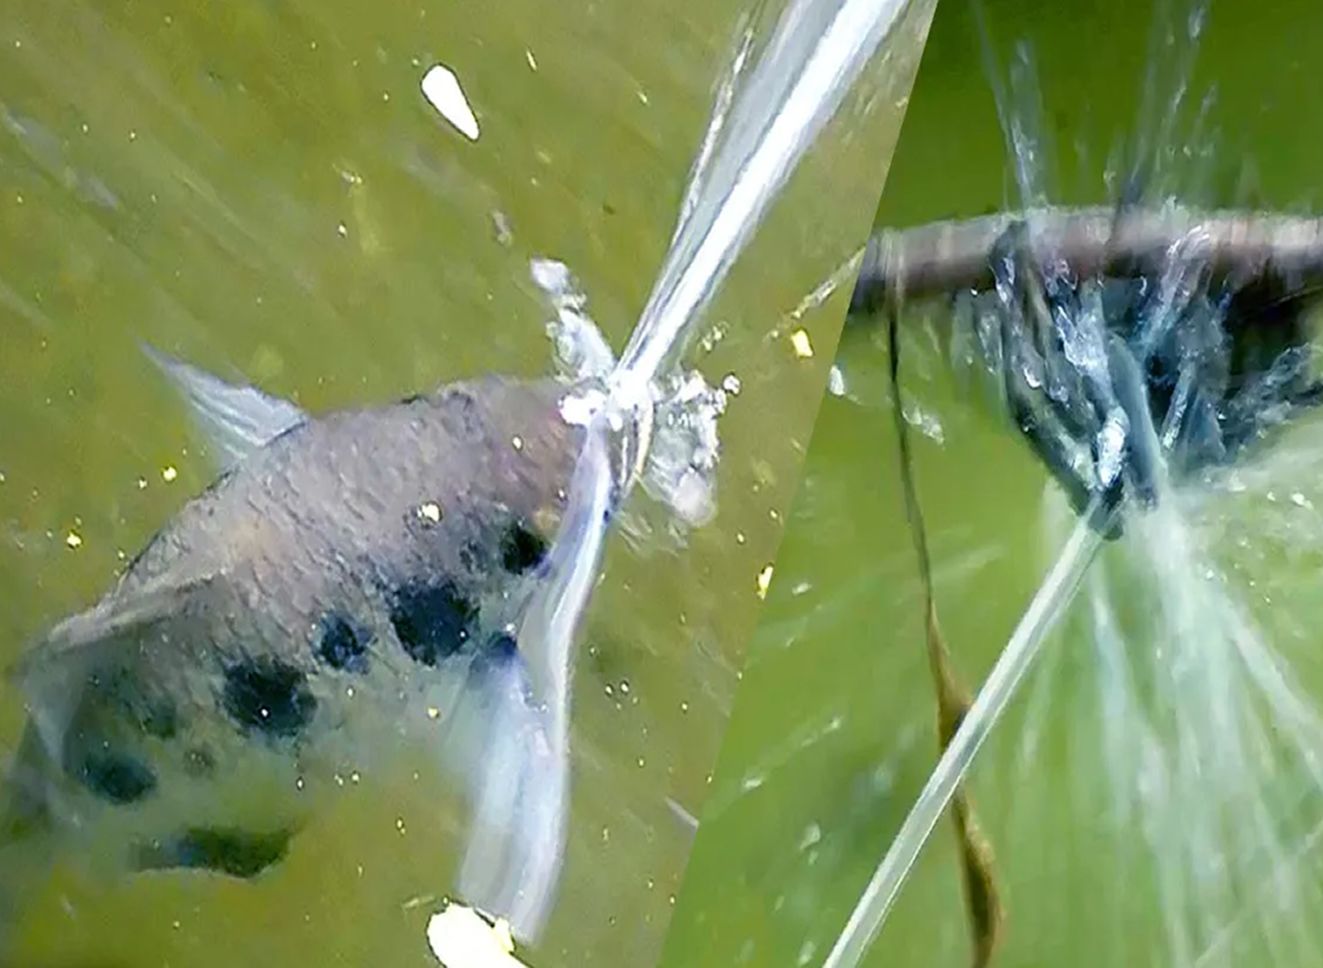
(349, 579)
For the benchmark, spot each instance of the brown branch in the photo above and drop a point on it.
(982, 897)
(946, 256)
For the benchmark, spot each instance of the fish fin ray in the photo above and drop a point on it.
(237, 419)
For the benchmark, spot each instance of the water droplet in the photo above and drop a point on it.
(836, 382)
(441, 88)
(803, 347)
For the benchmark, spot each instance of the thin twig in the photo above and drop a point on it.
(982, 897)
(947, 256)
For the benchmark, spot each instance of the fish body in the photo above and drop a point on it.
(349, 579)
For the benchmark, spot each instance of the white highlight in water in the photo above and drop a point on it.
(460, 937)
(1026, 643)
(441, 88)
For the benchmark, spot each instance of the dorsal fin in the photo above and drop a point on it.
(237, 419)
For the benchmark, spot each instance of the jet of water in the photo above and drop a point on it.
(1025, 645)
(818, 50)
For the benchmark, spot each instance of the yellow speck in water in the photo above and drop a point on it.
(431, 511)
(684, 705)
(169, 473)
(740, 538)
(349, 692)
(133, 136)
(606, 835)
(651, 883)
(433, 712)
(298, 783)
(142, 483)
(764, 581)
(517, 442)
(342, 229)
(399, 824)
(641, 762)
(73, 539)
(532, 61)
(799, 339)
(355, 777)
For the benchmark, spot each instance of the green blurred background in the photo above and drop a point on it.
(833, 734)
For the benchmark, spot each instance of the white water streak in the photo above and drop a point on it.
(1025, 645)
(819, 49)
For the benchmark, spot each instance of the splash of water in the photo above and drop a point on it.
(1025, 645)
(816, 52)
(1212, 748)
(1211, 745)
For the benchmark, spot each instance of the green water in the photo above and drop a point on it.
(832, 735)
(258, 187)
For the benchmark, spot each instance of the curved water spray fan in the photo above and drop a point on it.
(1269, 268)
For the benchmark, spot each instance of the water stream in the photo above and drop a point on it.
(757, 136)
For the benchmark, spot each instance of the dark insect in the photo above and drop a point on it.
(1113, 379)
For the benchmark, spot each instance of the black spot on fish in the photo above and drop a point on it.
(342, 644)
(432, 621)
(268, 695)
(501, 648)
(521, 549)
(238, 853)
(500, 664)
(116, 776)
